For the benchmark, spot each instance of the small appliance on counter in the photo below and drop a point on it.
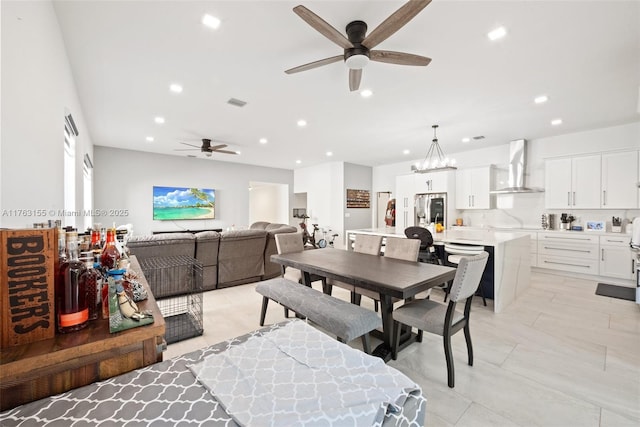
(565, 221)
(616, 225)
(547, 221)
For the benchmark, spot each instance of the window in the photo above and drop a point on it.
(87, 184)
(70, 133)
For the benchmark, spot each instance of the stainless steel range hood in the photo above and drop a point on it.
(517, 168)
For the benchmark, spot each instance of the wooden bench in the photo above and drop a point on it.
(347, 321)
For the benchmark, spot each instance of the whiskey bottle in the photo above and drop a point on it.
(72, 311)
(110, 253)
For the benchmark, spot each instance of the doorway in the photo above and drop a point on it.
(268, 202)
(382, 198)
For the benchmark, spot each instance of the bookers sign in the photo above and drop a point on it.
(27, 273)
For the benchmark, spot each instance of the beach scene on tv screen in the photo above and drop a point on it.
(171, 203)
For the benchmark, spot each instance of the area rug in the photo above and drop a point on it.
(615, 291)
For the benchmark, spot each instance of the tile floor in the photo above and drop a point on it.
(559, 356)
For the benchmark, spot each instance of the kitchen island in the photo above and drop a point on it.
(509, 260)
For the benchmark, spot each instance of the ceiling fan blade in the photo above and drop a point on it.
(399, 58)
(322, 27)
(315, 64)
(217, 147)
(225, 151)
(185, 149)
(394, 22)
(190, 145)
(354, 79)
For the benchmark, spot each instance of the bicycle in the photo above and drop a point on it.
(322, 243)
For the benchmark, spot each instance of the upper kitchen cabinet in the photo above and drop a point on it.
(607, 181)
(620, 180)
(472, 188)
(572, 183)
(434, 182)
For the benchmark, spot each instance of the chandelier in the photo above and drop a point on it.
(435, 160)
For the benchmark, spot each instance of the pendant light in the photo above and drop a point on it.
(435, 160)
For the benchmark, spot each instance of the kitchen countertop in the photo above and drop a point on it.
(473, 236)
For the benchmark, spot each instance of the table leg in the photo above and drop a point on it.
(306, 278)
(386, 310)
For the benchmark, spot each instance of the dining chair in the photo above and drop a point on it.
(287, 243)
(453, 253)
(444, 320)
(397, 248)
(364, 244)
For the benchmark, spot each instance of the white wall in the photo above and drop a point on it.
(518, 210)
(37, 91)
(269, 202)
(124, 180)
(324, 186)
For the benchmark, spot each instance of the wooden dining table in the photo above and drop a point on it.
(390, 278)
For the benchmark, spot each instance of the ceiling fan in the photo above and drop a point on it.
(207, 148)
(358, 46)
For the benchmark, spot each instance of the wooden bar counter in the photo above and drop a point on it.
(43, 368)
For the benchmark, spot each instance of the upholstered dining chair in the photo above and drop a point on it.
(444, 320)
(397, 248)
(364, 244)
(287, 243)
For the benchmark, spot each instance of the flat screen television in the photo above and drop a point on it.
(175, 203)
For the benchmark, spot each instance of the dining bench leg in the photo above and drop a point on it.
(366, 344)
(263, 312)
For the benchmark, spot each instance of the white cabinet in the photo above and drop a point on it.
(405, 193)
(615, 259)
(435, 182)
(608, 181)
(569, 251)
(620, 180)
(472, 188)
(573, 183)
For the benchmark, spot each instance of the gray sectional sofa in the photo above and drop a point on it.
(228, 258)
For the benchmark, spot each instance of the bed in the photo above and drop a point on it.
(299, 368)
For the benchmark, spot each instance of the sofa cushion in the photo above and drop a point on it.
(259, 225)
(241, 256)
(207, 244)
(164, 244)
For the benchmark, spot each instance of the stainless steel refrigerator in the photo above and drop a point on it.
(430, 208)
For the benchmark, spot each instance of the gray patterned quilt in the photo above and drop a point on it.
(169, 394)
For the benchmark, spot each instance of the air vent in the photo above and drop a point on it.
(478, 138)
(236, 102)
(190, 155)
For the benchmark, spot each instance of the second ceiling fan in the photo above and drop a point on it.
(358, 46)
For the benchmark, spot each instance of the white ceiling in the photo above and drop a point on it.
(585, 55)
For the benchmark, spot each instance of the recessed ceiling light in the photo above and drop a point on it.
(263, 140)
(159, 120)
(541, 99)
(466, 139)
(175, 88)
(497, 33)
(556, 122)
(149, 139)
(211, 21)
(302, 123)
(406, 152)
(366, 93)
(298, 162)
(329, 153)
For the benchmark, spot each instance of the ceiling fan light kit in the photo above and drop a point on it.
(434, 160)
(357, 47)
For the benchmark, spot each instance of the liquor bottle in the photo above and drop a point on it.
(96, 246)
(93, 281)
(110, 253)
(72, 312)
